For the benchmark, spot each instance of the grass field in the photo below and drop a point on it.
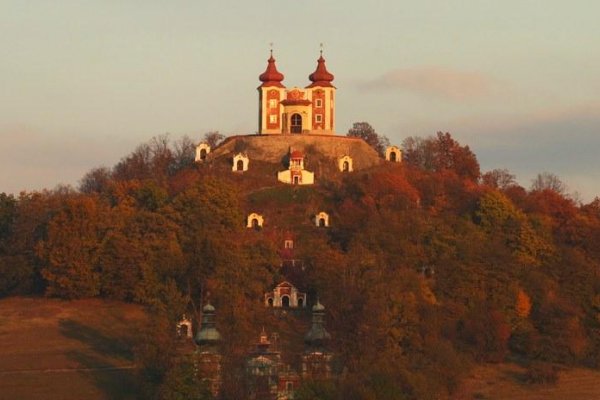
(52, 349)
(505, 382)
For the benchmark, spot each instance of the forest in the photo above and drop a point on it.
(429, 267)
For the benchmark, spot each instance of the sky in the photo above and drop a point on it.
(82, 83)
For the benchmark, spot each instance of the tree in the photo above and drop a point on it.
(441, 153)
(71, 248)
(499, 179)
(366, 132)
(548, 181)
(213, 138)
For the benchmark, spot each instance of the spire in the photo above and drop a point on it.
(321, 77)
(208, 333)
(271, 77)
(318, 335)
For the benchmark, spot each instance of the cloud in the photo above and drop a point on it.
(438, 82)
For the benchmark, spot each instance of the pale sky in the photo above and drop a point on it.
(82, 83)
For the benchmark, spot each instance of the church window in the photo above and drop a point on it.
(319, 103)
(296, 123)
(318, 118)
(272, 103)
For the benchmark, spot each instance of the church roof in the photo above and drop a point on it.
(271, 77)
(296, 154)
(321, 77)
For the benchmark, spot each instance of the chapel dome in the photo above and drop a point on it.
(271, 77)
(321, 77)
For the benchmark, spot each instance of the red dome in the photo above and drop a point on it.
(296, 154)
(271, 77)
(321, 77)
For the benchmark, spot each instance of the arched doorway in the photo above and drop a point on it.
(285, 301)
(240, 165)
(346, 166)
(203, 154)
(296, 123)
(296, 180)
(300, 302)
(255, 224)
(183, 330)
(270, 301)
(393, 156)
(322, 222)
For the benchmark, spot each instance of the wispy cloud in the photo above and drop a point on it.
(438, 82)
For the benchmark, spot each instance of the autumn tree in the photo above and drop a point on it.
(441, 153)
(71, 248)
(365, 131)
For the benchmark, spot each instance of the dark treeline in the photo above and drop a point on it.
(429, 266)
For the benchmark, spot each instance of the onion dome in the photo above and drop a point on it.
(208, 333)
(271, 77)
(318, 335)
(296, 154)
(321, 77)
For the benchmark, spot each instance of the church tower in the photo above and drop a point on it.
(208, 355)
(270, 94)
(316, 360)
(323, 99)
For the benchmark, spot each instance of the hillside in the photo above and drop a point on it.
(428, 267)
(55, 349)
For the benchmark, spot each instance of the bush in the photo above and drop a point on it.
(541, 373)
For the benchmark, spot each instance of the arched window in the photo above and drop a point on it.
(270, 301)
(203, 154)
(296, 126)
(346, 166)
(300, 302)
(240, 165)
(285, 301)
(183, 330)
(393, 156)
(322, 222)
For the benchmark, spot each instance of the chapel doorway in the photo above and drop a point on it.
(296, 123)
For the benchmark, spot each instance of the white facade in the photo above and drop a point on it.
(240, 163)
(322, 219)
(254, 220)
(202, 151)
(393, 154)
(345, 164)
(285, 295)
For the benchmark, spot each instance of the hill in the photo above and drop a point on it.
(428, 266)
